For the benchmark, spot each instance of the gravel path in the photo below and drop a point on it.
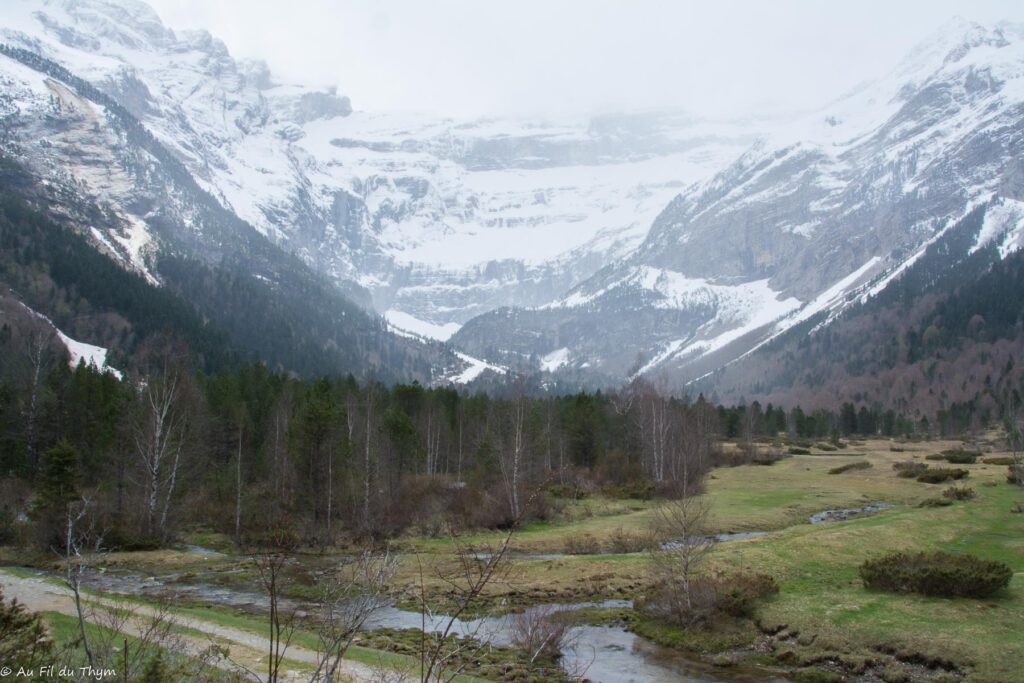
(248, 649)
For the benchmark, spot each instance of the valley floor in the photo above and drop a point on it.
(823, 624)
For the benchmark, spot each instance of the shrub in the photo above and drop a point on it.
(539, 633)
(998, 460)
(935, 456)
(937, 574)
(582, 544)
(1017, 508)
(622, 541)
(851, 466)
(961, 457)
(937, 475)
(1014, 475)
(897, 449)
(737, 593)
(568, 491)
(733, 594)
(935, 502)
(798, 451)
(23, 637)
(908, 469)
(959, 493)
(825, 447)
(124, 541)
(641, 490)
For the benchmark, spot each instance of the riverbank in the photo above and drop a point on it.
(822, 623)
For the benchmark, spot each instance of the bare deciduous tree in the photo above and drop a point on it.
(269, 559)
(539, 633)
(346, 603)
(1015, 439)
(37, 354)
(513, 453)
(161, 430)
(443, 658)
(682, 524)
(78, 542)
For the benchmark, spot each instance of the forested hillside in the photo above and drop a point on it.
(944, 341)
(224, 310)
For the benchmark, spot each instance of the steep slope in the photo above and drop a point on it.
(436, 218)
(945, 338)
(87, 161)
(851, 194)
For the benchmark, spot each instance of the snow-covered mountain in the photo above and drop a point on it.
(438, 219)
(595, 249)
(835, 202)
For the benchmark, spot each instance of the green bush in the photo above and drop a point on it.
(998, 460)
(798, 451)
(908, 469)
(937, 574)
(935, 456)
(23, 637)
(851, 466)
(121, 540)
(568, 491)
(935, 502)
(961, 457)
(631, 490)
(825, 447)
(937, 475)
(1014, 476)
(959, 493)
(734, 594)
(738, 593)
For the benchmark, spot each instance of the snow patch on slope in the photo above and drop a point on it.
(475, 368)
(400, 321)
(90, 354)
(1003, 220)
(739, 310)
(555, 359)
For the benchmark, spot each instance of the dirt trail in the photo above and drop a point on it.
(248, 649)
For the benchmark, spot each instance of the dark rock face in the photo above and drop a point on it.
(321, 105)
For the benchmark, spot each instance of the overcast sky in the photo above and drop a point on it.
(575, 57)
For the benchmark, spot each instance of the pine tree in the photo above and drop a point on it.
(156, 671)
(60, 481)
(23, 639)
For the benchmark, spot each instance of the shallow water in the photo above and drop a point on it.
(841, 514)
(610, 654)
(603, 654)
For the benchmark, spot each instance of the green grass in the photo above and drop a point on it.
(820, 591)
(816, 565)
(243, 621)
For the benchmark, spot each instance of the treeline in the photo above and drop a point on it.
(170, 447)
